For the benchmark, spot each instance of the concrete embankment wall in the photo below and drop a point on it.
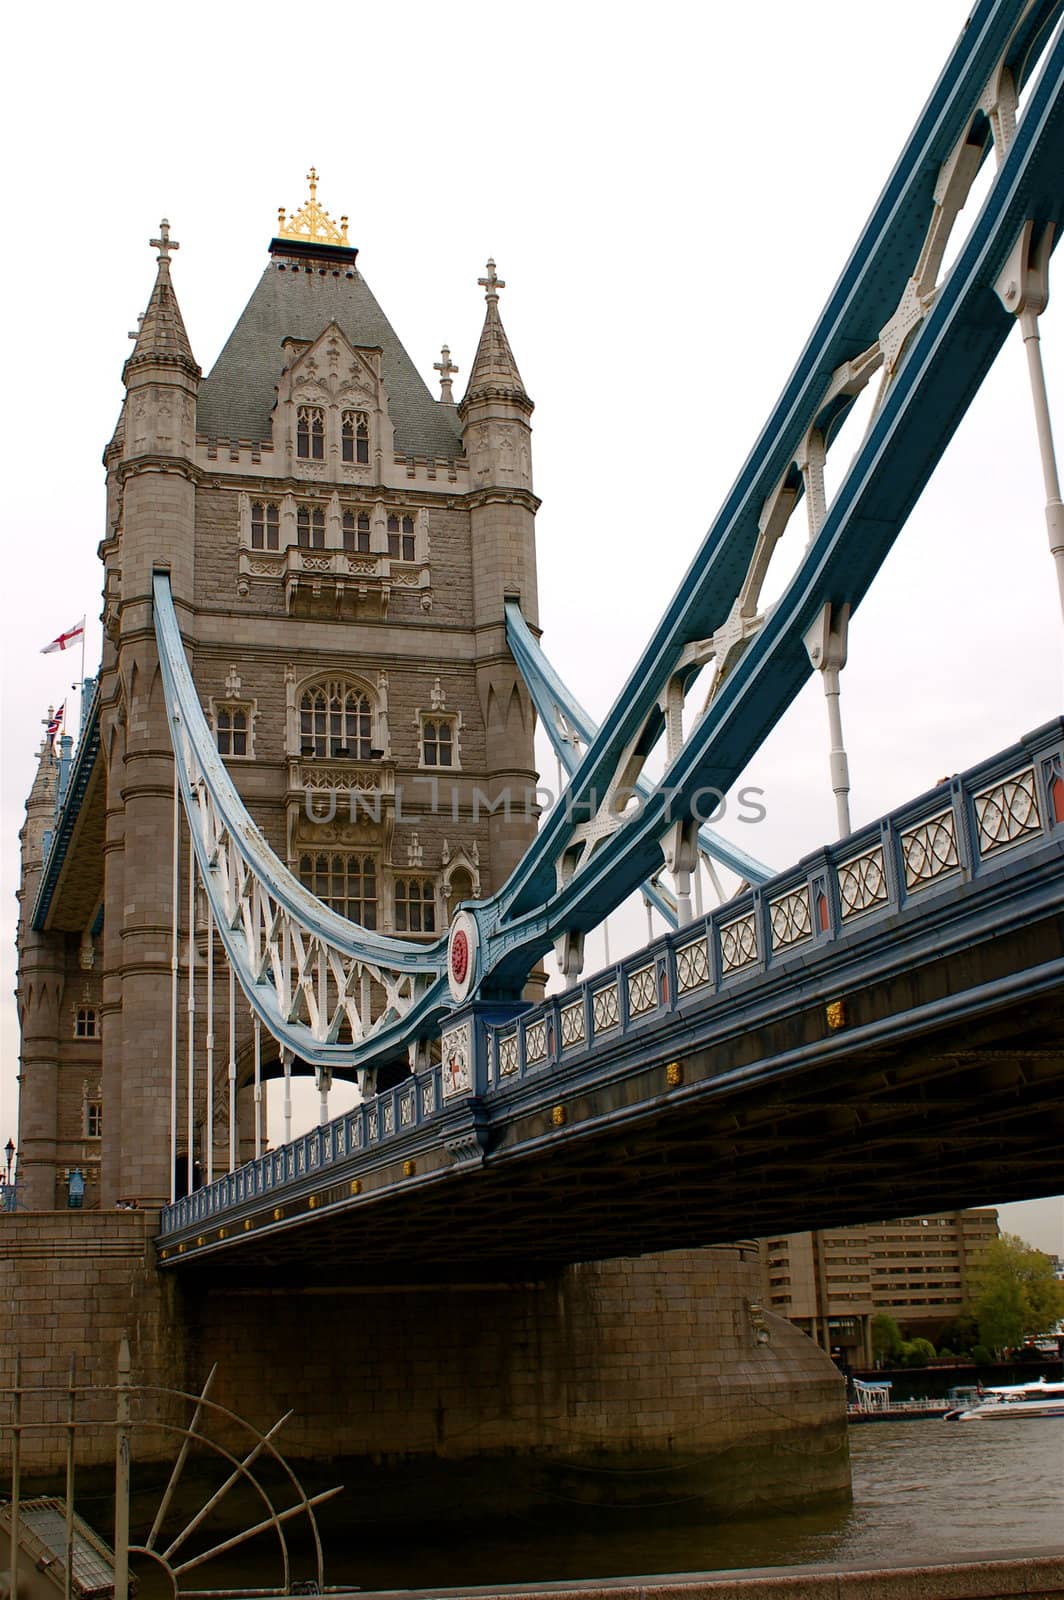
(650, 1382)
(991, 1577)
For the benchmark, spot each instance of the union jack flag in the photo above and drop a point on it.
(55, 722)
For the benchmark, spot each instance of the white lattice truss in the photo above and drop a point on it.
(321, 985)
(804, 477)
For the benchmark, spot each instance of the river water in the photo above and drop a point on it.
(924, 1489)
(932, 1489)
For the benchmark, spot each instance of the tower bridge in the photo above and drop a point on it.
(320, 583)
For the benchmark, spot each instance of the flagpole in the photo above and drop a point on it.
(81, 676)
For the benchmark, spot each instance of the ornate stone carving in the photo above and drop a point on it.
(457, 1061)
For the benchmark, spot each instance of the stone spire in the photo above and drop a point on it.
(161, 376)
(494, 371)
(161, 339)
(446, 369)
(42, 791)
(40, 813)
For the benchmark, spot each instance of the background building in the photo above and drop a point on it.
(833, 1282)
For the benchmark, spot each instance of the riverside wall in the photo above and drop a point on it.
(988, 1577)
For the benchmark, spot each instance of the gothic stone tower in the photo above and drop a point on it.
(340, 546)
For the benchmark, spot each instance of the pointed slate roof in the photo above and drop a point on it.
(299, 294)
(494, 367)
(494, 374)
(161, 339)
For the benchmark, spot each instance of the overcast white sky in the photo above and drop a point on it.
(669, 195)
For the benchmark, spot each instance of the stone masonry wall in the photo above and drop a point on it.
(72, 1284)
(650, 1382)
(638, 1381)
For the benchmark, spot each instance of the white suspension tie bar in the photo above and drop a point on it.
(174, 982)
(190, 1158)
(210, 1044)
(232, 1069)
(286, 1056)
(258, 1088)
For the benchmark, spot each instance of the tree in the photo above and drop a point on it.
(886, 1337)
(960, 1334)
(1016, 1294)
(917, 1352)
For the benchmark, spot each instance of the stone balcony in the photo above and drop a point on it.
(334, 583)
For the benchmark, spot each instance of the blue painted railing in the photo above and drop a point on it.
(956, 833)
(397, 1111)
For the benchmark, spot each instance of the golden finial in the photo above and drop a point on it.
(312, 224)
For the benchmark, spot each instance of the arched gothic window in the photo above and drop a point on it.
(265, 525)
(460, 888)
(354, 436)
(437, 741)
(336, 719)
(231, 730)
(85, 1022)
(310, 527)
(415, 905)
(356, 531)
(401, 538)
(346, 882)
(310, 433)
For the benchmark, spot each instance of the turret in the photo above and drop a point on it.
(497, 436)
(40, 818)
(40, 986)
(152, 512)
(495, 413)
(158, 442)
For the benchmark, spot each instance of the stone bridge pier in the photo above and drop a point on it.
(644, 1382)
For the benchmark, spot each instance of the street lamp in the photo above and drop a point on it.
(9, 1151)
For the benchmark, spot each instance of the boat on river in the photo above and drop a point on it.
(872, 1402)
(1035, 1399)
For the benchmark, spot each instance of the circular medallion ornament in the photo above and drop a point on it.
(461, 956)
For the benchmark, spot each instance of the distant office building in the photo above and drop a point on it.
(833, 1282)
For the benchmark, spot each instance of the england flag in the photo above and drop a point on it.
(63, 641)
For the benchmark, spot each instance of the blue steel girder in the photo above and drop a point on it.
(933, 383)
(549, 694)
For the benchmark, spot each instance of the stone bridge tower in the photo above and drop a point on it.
(340, 545)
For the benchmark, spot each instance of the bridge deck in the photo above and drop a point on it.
(877, 1032)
